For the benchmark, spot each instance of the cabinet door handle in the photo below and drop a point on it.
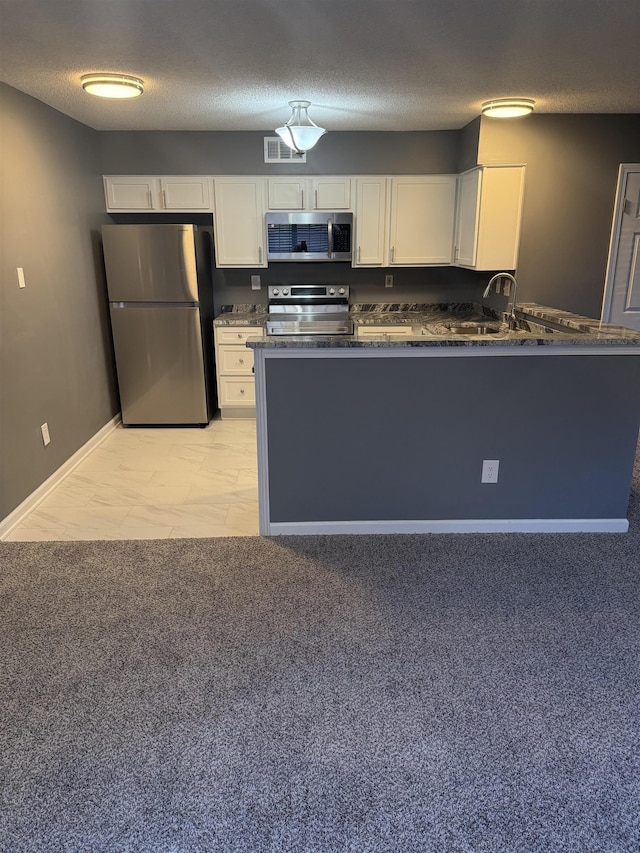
(393, 249)
(358, 255)
(302, 199)
(259, 254)
(242, 390)
(241, 360)
(316, 202)
(149, 199)
(164, 199)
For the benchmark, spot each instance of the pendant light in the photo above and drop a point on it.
(300, 133)
(112, 85)
(508, 107)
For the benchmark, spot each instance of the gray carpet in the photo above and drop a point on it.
(458, 693)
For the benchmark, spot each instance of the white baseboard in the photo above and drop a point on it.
(30, 503)
(498, 525)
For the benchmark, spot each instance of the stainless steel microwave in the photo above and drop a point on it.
(301, 236)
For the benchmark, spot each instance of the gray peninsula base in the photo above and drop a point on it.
(393, 440)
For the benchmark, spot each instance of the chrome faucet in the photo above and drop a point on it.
(512, 313)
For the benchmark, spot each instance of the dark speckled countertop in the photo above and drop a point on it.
(241, 315)
(431, 326)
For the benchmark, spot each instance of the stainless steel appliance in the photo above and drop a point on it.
(309, 309)
(301, 236)
(161, 306)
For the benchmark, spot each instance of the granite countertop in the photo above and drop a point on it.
(241, 315)
(431, 324)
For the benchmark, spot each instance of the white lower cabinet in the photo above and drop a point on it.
(234, 370)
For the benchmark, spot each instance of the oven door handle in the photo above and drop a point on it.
(330, 240)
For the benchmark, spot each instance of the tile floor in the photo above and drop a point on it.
(156, 483)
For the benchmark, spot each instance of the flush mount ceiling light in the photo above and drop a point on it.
(508, 107)
(300, 133)
(112, 85)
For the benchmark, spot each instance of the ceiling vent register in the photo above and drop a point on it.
(275, 151)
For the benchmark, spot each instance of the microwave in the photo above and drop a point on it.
(300, 236)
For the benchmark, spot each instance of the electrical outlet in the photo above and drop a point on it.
(21, 281)
(388, 281)
(46, 438)
(255, 282)
(490, 470)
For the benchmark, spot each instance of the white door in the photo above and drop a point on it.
(621, 303)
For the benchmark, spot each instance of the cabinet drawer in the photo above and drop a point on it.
(235, 360)
(398, 331)
(237, 334)
(237, 391)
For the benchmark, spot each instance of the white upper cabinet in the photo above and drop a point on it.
(171, 192)
(422, 220)
(186, 193)
(371, 222)
(331, 193)
(285, 193)
(471, 220)
(130, 192)
(238, 222)
(325, 193)
(489, 212)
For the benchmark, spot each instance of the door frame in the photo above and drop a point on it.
(614, 244)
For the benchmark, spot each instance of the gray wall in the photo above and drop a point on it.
(572, 166)
(468, 149)
(438, 284)
(241, 153)
(55, 346)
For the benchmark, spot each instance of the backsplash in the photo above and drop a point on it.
(412, 285)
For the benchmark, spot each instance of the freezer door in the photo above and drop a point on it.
(150, 263)
(160, 364)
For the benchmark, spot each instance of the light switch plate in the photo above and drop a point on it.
(21, 281)
(255, 282)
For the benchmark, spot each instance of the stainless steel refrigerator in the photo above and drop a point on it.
(161, 306)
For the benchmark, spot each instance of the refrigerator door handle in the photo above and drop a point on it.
(189, 305)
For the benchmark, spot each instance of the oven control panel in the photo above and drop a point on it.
(303, 293)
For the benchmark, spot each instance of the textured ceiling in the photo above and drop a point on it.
(364, 64)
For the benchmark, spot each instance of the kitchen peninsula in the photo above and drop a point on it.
(388, 433)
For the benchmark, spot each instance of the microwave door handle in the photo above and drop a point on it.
(330, 240)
